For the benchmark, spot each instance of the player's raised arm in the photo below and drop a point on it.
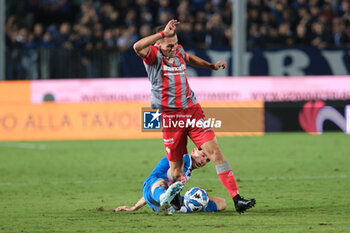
(199, 62)
(137, 206)
(141, 47)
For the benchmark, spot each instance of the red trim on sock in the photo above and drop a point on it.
(170, 180)
(228, 180)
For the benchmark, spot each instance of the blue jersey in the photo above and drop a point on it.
(160, 173)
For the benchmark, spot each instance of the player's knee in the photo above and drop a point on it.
(217, 156)
(159, 183)
(211, 148)
(163, 183)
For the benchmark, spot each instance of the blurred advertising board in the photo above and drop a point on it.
(15, 92)
(59, 121)
(314, 117)
(269, 89)
(112, 108)
(52, 121)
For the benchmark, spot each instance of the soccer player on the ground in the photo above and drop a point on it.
(156, 187)
(165, 61)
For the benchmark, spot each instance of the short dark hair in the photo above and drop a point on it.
(159, 29)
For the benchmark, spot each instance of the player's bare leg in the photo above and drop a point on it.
(159, 183)
(225, 173)
(176, 170)
(175, 173)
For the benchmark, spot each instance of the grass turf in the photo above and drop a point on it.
(301, 184)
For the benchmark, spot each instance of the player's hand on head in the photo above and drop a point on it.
(220, 64)
(170, 27)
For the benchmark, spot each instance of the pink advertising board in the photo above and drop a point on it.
(206, 89)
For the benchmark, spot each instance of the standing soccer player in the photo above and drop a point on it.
(165, 61)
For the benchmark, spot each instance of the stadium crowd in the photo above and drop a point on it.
(204, 24)
(96, 30)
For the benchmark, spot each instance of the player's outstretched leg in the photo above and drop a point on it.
(171, 192)
(225, 174)
(241, 204)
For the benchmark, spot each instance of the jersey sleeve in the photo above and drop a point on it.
(151, 55)
(187, 167)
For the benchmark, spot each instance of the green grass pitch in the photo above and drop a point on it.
(301, 183)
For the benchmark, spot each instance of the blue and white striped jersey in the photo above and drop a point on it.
(160, 171)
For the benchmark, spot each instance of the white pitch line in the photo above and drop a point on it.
(23, 145)
(273, 178)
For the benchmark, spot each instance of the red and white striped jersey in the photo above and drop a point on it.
(170, 90)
